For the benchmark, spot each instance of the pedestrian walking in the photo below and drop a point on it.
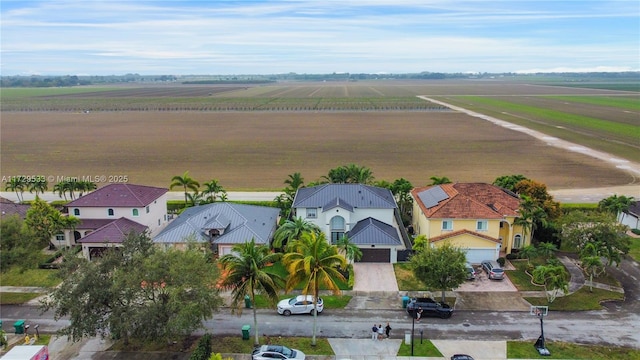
(374, 333)
(380, 332)
(387, 329)
(419, 314)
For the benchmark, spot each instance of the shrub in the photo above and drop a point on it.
(636, 231)
(203, 349)
(511, 256)
(501, 261)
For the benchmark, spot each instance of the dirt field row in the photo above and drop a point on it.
(256, 151)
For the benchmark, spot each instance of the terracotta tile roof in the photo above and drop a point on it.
(469, 201)
(119, 195)
(461, 232)
(114, 232)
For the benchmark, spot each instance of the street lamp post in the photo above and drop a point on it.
(413, 324)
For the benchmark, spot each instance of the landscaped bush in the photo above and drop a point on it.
(203, 349)
(636, 231)
(501, 261)
(511, 256)
(48, 264)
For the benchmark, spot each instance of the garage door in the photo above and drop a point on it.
(476, 256)
(376, 255)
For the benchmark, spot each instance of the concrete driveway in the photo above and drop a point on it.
(374, 277)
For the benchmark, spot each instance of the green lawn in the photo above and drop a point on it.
(561, 350)
(30, 277)
(634, 252)
(426, 349)
(520, 278)
(581, 300)
(13, 298)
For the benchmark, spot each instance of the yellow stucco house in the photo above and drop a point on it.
(477, 217)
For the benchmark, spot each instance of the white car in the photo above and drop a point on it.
(300, 304)
(265, 352)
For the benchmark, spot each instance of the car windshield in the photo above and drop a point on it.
(282, 350)
(497, 270)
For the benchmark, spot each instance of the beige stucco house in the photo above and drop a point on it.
(478, 217)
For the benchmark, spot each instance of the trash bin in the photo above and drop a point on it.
(407, 337)
(246, 329)
(247, 302)
(405, 301)
(19, 326)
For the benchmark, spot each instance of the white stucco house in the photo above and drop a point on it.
(631, 217)
(368, 215)
(109, 214)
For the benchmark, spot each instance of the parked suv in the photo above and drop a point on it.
(471, 272)
(493, 269)
(429, 307)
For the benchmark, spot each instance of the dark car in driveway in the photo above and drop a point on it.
(429, 307)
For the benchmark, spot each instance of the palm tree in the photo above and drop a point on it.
(244, 274)
(435, 180)
(546, 249)
(348, 249)
(615, 204)
(195, 198)
(528, 252)
(530, 216)
(211, 190)
(292, 230)
(17, 184)
(83, 186)
(186, 182)
(39, 185)
(591, 261)
(313, 262)
(554, 278)
(60, 189)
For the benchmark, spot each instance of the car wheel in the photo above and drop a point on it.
(286, 313)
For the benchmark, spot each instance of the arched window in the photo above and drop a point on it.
(135, 212)
(110, 212)
(517, 241)
(337, 228)
(76, 212)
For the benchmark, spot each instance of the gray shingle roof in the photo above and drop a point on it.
(119, 195)
(374, 232)
(348, 196)
(240, 222)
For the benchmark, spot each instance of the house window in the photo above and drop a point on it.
(60, 237)
(158, 222)
(312, 213)
(447, 224)
(147, 209)
(135, 212)
(337, 229)
(481, 225)
(76, 212)
(110, 212)
(517, 241)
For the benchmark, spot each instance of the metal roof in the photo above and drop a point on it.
(374, 232)
(239, 222)
(346, 195)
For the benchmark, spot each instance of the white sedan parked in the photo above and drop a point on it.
(300, 304)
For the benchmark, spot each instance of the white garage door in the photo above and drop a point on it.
(476, 256)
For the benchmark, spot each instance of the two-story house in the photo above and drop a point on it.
(110, 213)
(368, 215)
(475, 216)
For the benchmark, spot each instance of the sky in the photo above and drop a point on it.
(207, 37)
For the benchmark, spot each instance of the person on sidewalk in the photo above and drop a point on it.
(419, 314)
(380, 332)
(374, 334)
(387, 329)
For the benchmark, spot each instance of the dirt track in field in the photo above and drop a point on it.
(256, 151)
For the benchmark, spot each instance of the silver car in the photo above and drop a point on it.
(268, 352)
(493, 269)
(300, 304)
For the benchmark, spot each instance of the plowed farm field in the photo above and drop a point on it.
(251, 147)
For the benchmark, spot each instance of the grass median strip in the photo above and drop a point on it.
(562, 350)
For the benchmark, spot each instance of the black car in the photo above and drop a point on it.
(429, 307)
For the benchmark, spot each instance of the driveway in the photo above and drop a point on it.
(374, 277)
